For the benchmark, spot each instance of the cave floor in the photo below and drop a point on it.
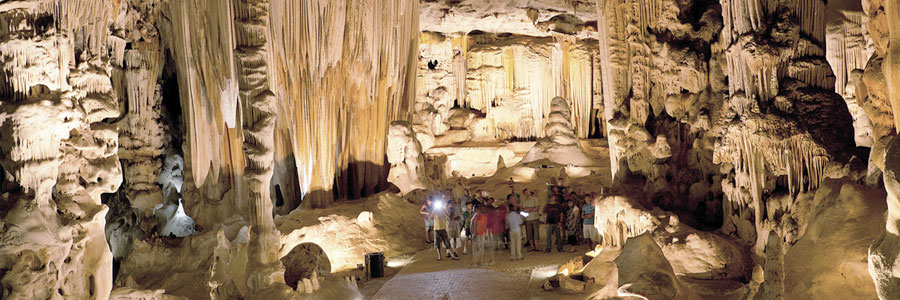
(426, 278)
(423, 277)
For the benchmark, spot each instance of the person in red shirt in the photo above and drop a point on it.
(482, 237)
(498, 225)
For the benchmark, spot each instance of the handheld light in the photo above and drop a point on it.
(524, 214)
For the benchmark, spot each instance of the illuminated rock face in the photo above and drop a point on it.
(732, 115)
(240, 86)
(59, 150)
(404, 153)
(663, 81)
(509, 80)
(560, 145)
(885, 250)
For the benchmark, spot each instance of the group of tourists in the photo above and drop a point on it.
(476, 223)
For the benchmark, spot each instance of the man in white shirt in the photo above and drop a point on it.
(531, 206)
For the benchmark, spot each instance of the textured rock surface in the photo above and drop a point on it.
(203, 140)
(560, 144)
(643, 265)
(404, 153)
(58, 154)
(883, 254)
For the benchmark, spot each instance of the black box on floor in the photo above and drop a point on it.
(375, 265)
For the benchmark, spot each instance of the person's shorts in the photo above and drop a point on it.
(429, 224)
(453, 232)
(590, 232)
(440, 236)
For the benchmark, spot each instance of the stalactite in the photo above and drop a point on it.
(58, 153)
(142, 135)
(798, 157)
(202, 42)
(341, 87)
(751, 53)
(513, 79)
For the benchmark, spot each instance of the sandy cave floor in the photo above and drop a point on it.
(426, 278)
(423, 277)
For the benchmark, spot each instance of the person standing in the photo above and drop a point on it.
(587, 216)
(467, 225)
(440, 215)
(425, 211)
(454, 216)
(554, 212)
(573, 220)
(532, 221)
(497, 220)
(514, 221)
(466, 197)
(482, 243)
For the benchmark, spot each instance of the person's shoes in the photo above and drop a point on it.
(455, 257)
(439, 258)
(448, 254)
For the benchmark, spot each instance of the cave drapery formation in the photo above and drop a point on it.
(149, 147)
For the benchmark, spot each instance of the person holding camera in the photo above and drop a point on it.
(441, 216)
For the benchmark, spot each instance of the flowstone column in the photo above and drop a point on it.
(885, 251)
(265, 273)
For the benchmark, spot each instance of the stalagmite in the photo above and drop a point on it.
(265, 273)
(404, 153)
(560, 145)
(265, 149)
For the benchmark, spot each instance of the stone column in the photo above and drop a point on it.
(265, 273)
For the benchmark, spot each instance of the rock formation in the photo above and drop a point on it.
(885, 250)
(58, 152)
(560, 145)
(163, 149)
(404, 153)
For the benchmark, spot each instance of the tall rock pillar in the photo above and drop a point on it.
(265, 273)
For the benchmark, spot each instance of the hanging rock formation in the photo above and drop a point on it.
(847, 51)
(164, 149)
(244, 73)
(58, 154)
(341, 89)
(508, 73)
